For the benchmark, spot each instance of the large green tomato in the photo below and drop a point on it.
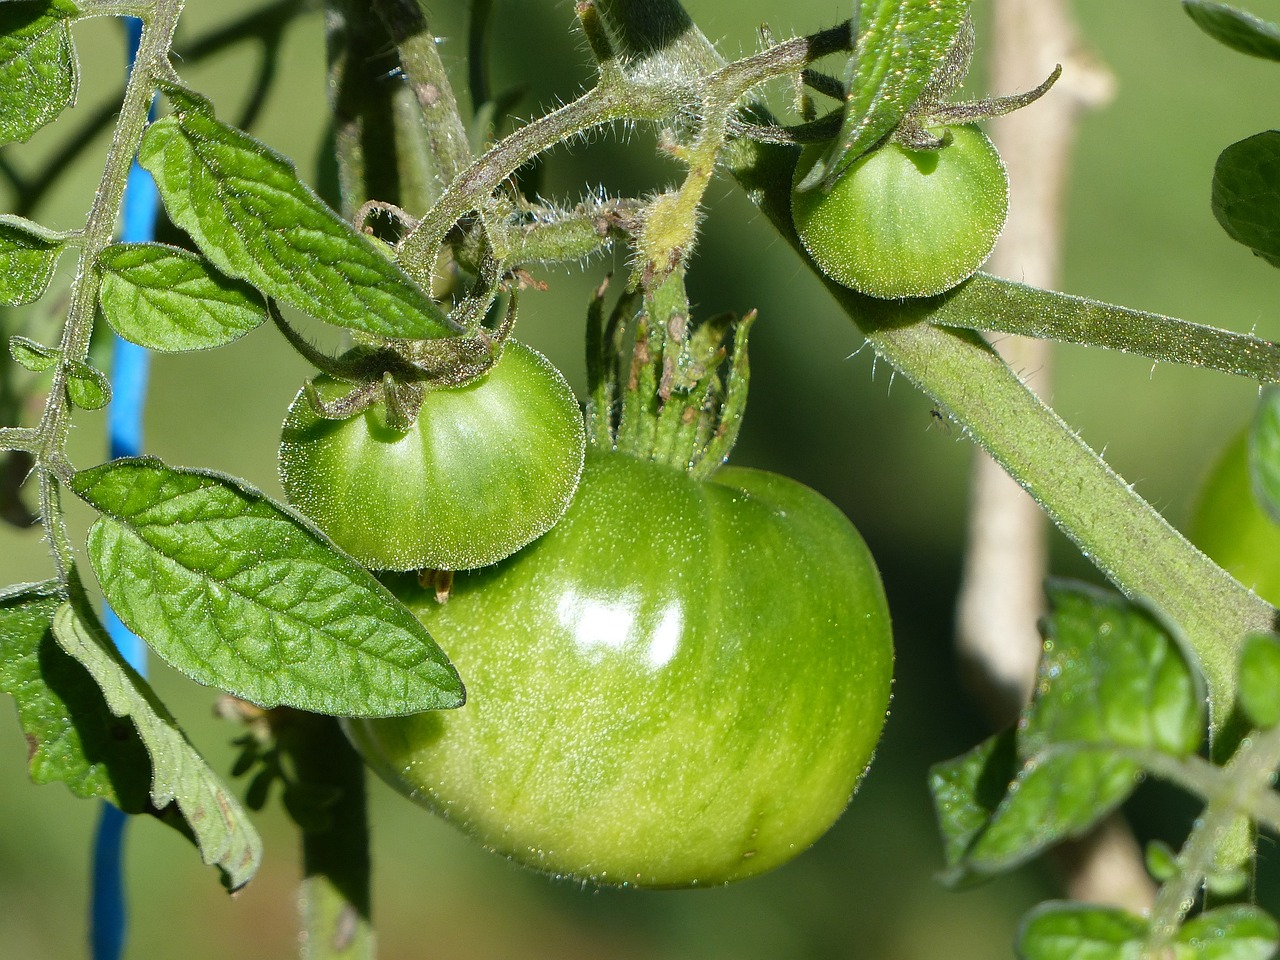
(906, 223)
(1231, 526)
(680, 684)
(484, 469)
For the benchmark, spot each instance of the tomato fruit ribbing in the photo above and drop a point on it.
(680, 684)
(484, 469)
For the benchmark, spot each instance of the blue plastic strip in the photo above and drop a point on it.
(129, 369)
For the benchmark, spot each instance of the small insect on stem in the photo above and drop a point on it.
(939, 419)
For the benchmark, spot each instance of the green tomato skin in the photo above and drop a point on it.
(485, 469)
(1232, 527)
(681, 684)
(904, 223)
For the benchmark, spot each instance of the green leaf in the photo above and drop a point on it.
(1259, 690)
(1237, 29)
(1246, 193)
(33, 356)
(1113, 685)
(87, 386)
(1264, 452)
(37, 66)
(1161, 860)
(169, 299)
(899, 45)
(28, 254)
(71, 735)
(1238, 932)
(248, 212)
(1072, 931)
(1111, 674)
(240, 593)
(180, 776)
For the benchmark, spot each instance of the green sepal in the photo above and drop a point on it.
(1237, 29)
(254, 219)
(28, 255)
(87, 386)
(243, 594)
(33, 356)
(1259, 690)
(37, 65)
(1114, 687)
(1246, 193)
(180, 778)
(899, 46)
(168, 299)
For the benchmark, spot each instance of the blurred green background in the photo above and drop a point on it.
(1139, 232)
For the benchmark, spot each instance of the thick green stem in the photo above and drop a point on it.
(335, 844)
(99, 230)
(1120, 532)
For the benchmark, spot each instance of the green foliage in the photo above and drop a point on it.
(1236, 28)
(28, 254)
(1264, 453)
(179, 774)
(169, 299)
(255, 220)
(243, 595)
(1070, 931)
(37, 65)
(899, 45)
(1114, 689)
(1246, 193)
(1260, 680)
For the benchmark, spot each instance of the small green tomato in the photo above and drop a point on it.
(906, 223)
(483, 470)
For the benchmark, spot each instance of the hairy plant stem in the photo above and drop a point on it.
(638, 94)
(159, 23)
(1127, 539)
(335, 899)
(1244, 787)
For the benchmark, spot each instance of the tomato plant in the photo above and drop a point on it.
(902, 222)
(483, 469)
(681, 681)
(681, 684)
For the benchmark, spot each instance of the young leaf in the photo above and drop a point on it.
(1238, 30)
(1260, 679)
(248, 212)
(1237, 932)
(71, 735)
(1057, 930)
(898, 45)
(1113, 685)
(179, 774)
(87, 386)
(240, 593)
(169, 299)
(28, 254)
(37, 65)
(1246, 193)
(1264, 452)
(33, 356)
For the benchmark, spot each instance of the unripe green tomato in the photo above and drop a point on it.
(1232, 527)
(484, 469)
(906, 223)
(680, 684)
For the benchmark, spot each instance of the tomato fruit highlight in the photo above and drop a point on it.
(906, 223)
(680, 684)
(484, 469)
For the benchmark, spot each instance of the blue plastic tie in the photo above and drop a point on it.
(129, 369)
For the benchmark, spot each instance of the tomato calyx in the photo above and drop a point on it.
(662, 387)
(396, 373)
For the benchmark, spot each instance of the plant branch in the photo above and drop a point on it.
(1127, 539)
